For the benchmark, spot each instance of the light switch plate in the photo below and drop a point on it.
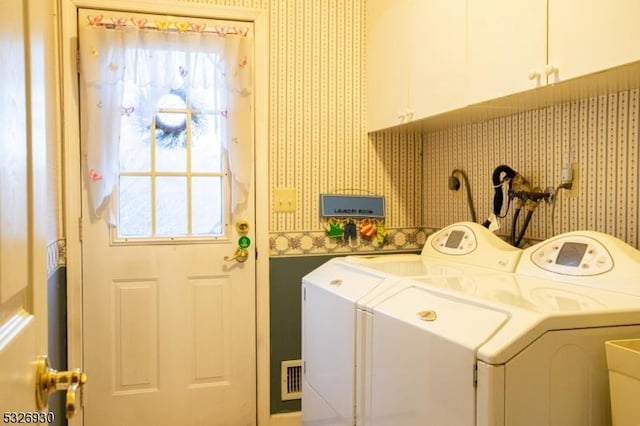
(284, 200)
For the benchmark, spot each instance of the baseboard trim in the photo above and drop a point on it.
(286, 419)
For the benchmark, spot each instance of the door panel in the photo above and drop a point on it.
(167, 326)
(168, 323)
(23, 116)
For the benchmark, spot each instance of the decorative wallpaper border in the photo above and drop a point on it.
(318, 243)
(308, 243)
(56, 256)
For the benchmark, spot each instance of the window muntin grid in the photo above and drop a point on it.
(172, 177)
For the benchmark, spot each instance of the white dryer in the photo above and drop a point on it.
(523, 349)
(333, 333)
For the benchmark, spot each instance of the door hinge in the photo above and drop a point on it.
(304, 294)
(78, 59)
(475, 375)
(80, 229)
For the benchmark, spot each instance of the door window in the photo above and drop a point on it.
(171, 181)
(166, 124)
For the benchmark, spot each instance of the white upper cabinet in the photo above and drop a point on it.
(437, 71)
(387, 59)
(428, 57)
(416, 59)
(587, 36)
(519, 45)
(506, 47)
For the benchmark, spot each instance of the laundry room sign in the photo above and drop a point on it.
(356, 206)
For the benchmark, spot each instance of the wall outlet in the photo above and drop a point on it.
(284, 200)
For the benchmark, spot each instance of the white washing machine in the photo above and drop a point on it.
(332, 332)
(522, 349)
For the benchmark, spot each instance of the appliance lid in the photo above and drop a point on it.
(531, 306)
(343, 279)
(412, 265)
(463, 322)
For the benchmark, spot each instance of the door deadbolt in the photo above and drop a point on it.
(242, 226)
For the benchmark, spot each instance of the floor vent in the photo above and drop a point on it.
(291, 374)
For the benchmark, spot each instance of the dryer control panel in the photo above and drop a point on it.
(455, 240)
(586, 258)
(575, 255)
(472, 244)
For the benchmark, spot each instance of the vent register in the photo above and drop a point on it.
(291, 379)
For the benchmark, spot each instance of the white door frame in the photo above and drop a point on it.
(72, 174)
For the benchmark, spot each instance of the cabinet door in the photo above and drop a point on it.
(437, 57)
(387, 55)
(506, 42)
(586, 36)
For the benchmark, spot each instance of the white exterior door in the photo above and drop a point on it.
(23, 275)
(168, 312)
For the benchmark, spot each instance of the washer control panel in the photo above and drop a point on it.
(573, 255)
(455, 240)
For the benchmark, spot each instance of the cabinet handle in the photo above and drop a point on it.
(409, 115)
(551, 69)
(534, 74)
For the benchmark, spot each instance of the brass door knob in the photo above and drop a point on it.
(49, 381)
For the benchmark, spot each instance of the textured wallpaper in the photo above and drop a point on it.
(317, 132)
(601, 135)
(318, 137)
(317, 129)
